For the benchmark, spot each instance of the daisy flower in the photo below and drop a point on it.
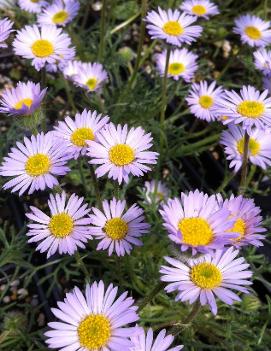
(210, 276)
(5, 30)
(118, 229)
(33, 6)
(182, 64)
(248, 221)
(253, 30)
(23, 100)
(35, 163)
(155, 191)
(90, 76)
(76, 132)
(66, 229)
(146, 342)
(119, 152)
(7, 4)
(71, 69)
(59, 13)
(251, 108)
(262, 61)
(196, 221)
(199, 8)
(96, 320)
(172, 26)
(45, 45)
(202, 100)
(259, 148)
(267, 84)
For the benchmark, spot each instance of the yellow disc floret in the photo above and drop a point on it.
(94, 332)
(206, 275)
(61, 225)
(60, 17)
(42, 48)
(91, 83)
(251, 109)
(81, 135)
(24, 102)
(253, 146)
(240, 228)
(176, 68)
(116, 228)
(37, 165)
(253, 32)
(173, 28)
(195, 231)
(199, 10)
(121, 155)
(206, 101)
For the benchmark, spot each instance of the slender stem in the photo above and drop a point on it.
(144, 9)
(43, 77)
(82, 175)
(164, 98)
(69, 95)
(82, 266)
(96, 186)
(102, 31)
(151, 295)
(242, 187)
(265, 9)
(192, 315)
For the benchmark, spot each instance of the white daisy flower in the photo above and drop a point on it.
(262, 61)
(90, 76)
(199, 8)
(32, 6)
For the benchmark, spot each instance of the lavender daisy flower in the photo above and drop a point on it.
(259, 148)
(66, 229)
(59, 13)
(58, 65)
(195, 221)
(210, 276)
(7, 4)
(76, 132)
(5, 30)
(119, 152)
(35, 163)
(45, 45)
(94, 321)
(31, 6)
(182, 64)
(248, 221)
(251, 108)
(146, 342)
(155, 191)
(267, 84)
(262, 61)
(118, 229)
(253, 30)
(172, 26)
(90, 76)
(71, 69)
(199, 8)
(202, 100)
(23, 100)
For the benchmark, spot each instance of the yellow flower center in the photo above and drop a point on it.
(240, 228)
(94, 332)
(116, 228)
(224, 118)
(253, 146)
(173, 28)
(253, 32)
(60, 17)
(61, 225)
(34, 1)
(91, 83)
(121, 155)
(42, 48)
(176, 68)
(199, 10)
(196, 231)
(251, 109)
(206, 275)
(24, 102)
(81, 135)
(206, 101)
(37, 165)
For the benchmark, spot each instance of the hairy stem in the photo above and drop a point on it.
(191, 316)
(96, 186)
(151, 295)
(82, 266)
(82, 175)
(102, 32)
(242, 187)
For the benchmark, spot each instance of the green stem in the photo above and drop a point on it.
(96, 186)
(69, 96)
(192, 315)
(242, 187)
(82, 175)
(151, 295)
(265, 9)
(144, 9)
(102, 32)
(82, 266)
(164, 99)
(43, 77)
